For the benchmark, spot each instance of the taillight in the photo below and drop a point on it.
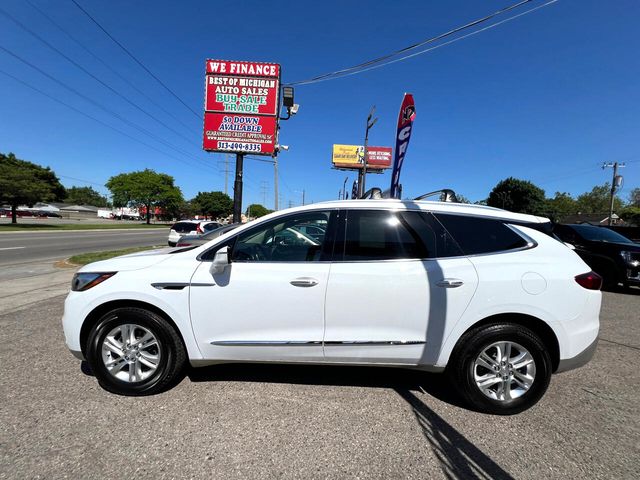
(590, 281)
(182, 244)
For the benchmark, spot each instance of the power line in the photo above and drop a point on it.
(77, 110)
(105, 64)
(135, 59)
(102, 107)
(87, 72)
(386, 59)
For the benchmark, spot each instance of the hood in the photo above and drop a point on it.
(133, 261)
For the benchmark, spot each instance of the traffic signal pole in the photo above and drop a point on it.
(237, 189)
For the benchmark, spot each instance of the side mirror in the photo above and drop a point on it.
(220, 261)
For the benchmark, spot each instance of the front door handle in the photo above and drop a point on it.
(304, 282)
(450, 283)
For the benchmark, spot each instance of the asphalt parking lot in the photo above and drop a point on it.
(259, 421)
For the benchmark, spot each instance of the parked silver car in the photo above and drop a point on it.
(196, 240)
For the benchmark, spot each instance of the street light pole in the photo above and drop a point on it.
(275, 182)
(363, 172)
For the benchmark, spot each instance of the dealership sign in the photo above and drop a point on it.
(352, 157)
(241, 107)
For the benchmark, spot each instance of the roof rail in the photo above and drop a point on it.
(446, 195)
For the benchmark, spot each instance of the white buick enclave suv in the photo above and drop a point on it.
(489, 296)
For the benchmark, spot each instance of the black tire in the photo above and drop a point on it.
(172, 358)
(461, 367)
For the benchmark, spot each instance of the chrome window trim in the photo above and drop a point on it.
(300, 343)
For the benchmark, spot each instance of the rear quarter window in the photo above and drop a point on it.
(477, 235)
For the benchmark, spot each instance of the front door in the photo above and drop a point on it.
(398, 283)
(268, 304)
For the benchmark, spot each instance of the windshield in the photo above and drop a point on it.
(600, 234)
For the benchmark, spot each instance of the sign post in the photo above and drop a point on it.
(241, 113)
(363, 173)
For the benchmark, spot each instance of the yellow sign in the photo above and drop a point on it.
(348, 156)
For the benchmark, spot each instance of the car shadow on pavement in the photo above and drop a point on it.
(458, 457)
(330, 375)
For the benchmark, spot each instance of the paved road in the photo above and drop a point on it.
(31, 247)
(310, 422)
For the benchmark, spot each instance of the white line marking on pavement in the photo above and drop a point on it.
(11, 248)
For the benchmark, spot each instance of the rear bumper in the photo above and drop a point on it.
(579, 360)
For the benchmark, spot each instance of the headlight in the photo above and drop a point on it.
(85, 280)
(628, 258)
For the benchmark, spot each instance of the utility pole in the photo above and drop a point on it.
(263, 192)
(363, 171)
(616, 182)
(237, 190)
(303, 192)
(226, 172)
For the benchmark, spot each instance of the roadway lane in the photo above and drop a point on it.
(31, 247)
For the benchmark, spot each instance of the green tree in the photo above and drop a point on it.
(517, 196)
(85, 196)
(598, 200)
(145, 188)
(561, 205)
(462, 199)
(255, 210)
(23, 182)
(212, 204)
(631, 215)
(634, 197)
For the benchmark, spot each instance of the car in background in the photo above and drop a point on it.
(612, 256)
(183, 227)
(197, 240)
(207, 226)
(189, 227)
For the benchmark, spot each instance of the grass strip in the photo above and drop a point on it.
(84, 258)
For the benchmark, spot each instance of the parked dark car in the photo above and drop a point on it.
(196, 240)
(611, 255)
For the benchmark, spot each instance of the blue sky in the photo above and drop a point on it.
(547, 97)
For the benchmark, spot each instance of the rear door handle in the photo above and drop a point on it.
(450, 283)
(304, 282)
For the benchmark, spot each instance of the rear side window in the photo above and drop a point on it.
(477, 235)
(388, 235)
(183, 227)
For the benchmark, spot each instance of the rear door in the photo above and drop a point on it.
(397, 284)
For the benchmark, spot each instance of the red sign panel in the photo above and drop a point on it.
(379, 157)
(239, 133)
(256, 96)
(241, 106)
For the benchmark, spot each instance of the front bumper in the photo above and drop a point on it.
(579, 360)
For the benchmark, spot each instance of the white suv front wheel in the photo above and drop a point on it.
(133, 351)
(501, 368)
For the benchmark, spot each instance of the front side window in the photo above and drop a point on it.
(388, 235)
(296, 238)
